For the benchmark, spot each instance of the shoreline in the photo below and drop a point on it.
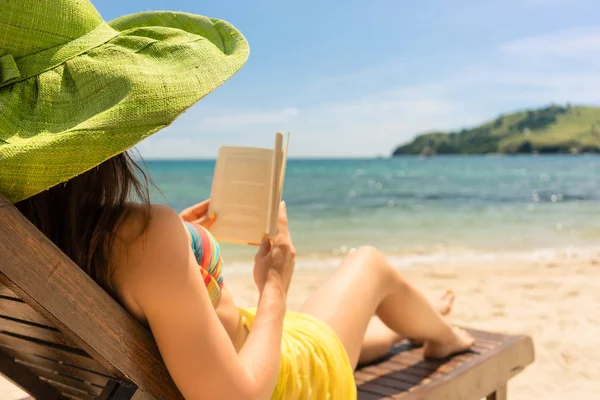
(554, 300)
(436, 257)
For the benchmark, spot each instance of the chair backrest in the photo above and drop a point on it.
(54, 318)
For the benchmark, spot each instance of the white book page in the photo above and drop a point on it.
(241, 194)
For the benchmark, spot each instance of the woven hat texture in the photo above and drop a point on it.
(76, 91)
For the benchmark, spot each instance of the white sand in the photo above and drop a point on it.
(555, 302)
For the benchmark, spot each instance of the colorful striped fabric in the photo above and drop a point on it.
(208, 255)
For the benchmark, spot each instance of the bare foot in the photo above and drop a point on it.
(443, 305)
(458, 342)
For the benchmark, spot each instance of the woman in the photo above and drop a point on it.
(74, 96)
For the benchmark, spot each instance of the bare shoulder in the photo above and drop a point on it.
(150, 246)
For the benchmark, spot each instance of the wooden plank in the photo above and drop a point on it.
(402, 375)
(468, 375)
(6, 292)
(26, 380)
(381, 390)
(366, 395)
(68, 390)
(34, 331)
(62, 368)
(480, 377)
(20, 310)
(28, 346)
(392, 382)
(389, 380)
(418, 365)
(499, 394)
(362, 376)
(67, 380)
(46, 279)
(414, 371)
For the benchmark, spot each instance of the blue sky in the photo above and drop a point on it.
(357, 78)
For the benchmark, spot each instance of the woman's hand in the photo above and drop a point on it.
(198, 215)
(276, 260)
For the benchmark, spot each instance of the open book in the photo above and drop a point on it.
(246, 192)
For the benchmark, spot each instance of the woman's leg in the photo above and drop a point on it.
(379, 338)
(366, 285)
(378, 341)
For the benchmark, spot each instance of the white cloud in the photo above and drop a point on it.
(243, 118)
(164, 146)
(373, 124)
(582, 43)
(560, 67)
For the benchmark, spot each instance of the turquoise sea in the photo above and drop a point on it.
(421, 207)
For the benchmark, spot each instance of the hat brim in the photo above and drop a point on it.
(67, 120)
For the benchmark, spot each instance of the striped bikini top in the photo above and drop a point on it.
(208, 255)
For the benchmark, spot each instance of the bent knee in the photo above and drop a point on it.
(369, 259)
(367, 251)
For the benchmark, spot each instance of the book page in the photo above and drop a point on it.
(278, 182)
(241, 194)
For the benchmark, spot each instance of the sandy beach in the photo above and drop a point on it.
(555, 301)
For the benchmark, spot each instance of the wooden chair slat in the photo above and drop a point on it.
(364, 394)
(25, 379)
(406, 367)
(470, 375)
(398, 375)
(68, 357)
(392, 382)
(68, 390)
(66, 380)
(20, 310)
(6, 292)
(62, 368)
(34, 331)
(40, 274)
(376, 388)
(402, 376)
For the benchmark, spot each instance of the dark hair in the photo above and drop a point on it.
(82, 215)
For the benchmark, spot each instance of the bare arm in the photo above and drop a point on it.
(273, 270)
(166, 286)
(262, 349)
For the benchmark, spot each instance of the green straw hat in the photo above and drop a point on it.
(76, 91)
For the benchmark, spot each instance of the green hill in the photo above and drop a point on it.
(554, 129)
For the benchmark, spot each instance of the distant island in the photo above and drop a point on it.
(550, 130)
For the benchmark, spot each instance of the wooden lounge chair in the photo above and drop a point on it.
(62, 336)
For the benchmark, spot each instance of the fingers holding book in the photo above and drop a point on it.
(277, 258)
(198, 214)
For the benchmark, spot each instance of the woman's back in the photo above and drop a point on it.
(135, 253)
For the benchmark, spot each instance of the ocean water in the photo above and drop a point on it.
(421, 207)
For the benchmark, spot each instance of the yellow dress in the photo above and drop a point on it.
(314, 363)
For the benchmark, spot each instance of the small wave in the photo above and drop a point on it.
(446, 257)
(375, 200)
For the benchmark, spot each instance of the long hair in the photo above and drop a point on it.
(82, 215)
